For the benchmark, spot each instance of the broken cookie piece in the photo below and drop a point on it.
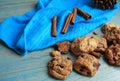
(60, 67)
(111, 32)
(112, 54)
(63, 47)
(86, 65)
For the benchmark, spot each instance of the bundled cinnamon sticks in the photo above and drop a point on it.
(70, 19)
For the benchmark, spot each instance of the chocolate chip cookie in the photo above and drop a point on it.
(60, 67)
(86, 65)
(113, 54)
(111, 32)
(102, 44)
(101, 47)
(63, 47)
(84, 45)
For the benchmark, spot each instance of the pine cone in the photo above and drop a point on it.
(104, 4)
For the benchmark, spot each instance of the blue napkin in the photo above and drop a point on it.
(32, 31)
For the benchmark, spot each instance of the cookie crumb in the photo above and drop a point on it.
(95, 33)
(55, 53)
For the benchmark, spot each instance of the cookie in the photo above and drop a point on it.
(84, 45)
(55, 53)
(102, 44)
(86, 65)
(111, 32)
(112, 54)
(63, 47)
(60, 67)
(101, 47)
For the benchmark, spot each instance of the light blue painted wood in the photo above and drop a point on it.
(33, 67)
(15, 7)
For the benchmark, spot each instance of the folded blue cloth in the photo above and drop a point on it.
(32, 31)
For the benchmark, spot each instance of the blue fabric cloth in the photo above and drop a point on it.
(32, 31)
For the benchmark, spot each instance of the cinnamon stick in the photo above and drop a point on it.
(84, 14)
(54, 23)
(67, 22)
(74, 15)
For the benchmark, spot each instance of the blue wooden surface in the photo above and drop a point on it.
(33, 67)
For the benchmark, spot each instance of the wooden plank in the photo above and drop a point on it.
(12, 7)
(33, 67)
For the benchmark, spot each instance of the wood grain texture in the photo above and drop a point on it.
(15, 7)
(33, 67)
